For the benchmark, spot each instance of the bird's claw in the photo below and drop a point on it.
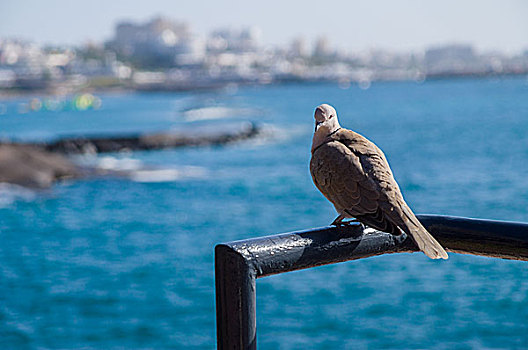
(342, 223)
(339, 221)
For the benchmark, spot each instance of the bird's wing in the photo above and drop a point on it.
(354, 175)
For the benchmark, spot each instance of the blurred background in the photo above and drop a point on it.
(134, 136)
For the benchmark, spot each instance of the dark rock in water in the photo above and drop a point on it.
(33, 167)
(149, 141)
(39, 164)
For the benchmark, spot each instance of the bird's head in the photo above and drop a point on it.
(325, 119)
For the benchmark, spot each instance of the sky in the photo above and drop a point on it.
(399, 25)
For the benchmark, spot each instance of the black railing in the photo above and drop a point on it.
(238, 264)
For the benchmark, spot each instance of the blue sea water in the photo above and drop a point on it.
(127, 262)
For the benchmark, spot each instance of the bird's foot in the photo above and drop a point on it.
(340, 221)
(347, 223)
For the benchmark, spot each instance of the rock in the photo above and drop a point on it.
(33, 167)
(40, 164)
(149, 141)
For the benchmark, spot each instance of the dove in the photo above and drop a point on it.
(354, 175)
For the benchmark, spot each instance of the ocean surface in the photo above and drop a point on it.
(127, 262)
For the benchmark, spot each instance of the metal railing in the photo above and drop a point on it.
(238, 264)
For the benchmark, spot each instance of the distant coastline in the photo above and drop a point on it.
(166, 55)
(14, 93)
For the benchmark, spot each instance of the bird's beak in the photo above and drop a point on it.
(317, 125)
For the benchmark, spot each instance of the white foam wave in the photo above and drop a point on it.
(119, 164)
(10, 193)
(215, 112)
(168, 175)
(270, 133)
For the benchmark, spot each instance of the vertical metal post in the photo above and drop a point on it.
(236, 325)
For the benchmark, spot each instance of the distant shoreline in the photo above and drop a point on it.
(7, 94)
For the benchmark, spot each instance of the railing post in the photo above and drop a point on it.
(236, 321)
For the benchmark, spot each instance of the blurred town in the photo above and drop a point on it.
(164, 54)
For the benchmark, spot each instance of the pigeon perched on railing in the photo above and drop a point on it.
(353, 174)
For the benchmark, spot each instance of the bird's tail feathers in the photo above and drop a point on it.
(427, 244)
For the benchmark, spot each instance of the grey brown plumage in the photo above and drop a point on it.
(353, 174)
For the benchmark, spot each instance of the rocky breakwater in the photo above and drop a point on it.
(40, 164)
(31, 166)
(154, 141)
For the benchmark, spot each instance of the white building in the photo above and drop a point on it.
(160, 42)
